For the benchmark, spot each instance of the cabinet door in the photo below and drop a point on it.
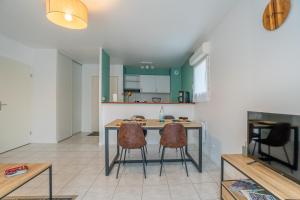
(148, 84)
(163, 84)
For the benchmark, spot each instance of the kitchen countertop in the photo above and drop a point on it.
(147, 103)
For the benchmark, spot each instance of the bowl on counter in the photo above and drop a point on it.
(156, 100)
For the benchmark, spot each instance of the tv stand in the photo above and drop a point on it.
(273, 182)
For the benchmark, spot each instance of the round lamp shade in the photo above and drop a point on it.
(71, 14)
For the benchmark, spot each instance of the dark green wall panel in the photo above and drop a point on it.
(187, 74)
(175, 74)
(105, 75)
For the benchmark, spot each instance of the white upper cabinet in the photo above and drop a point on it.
(163, 84)
(154, 84)
(132, 82)
(147, 84)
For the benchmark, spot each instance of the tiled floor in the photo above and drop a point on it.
(78, 168)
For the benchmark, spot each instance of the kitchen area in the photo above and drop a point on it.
(146, 91)
(148, 84)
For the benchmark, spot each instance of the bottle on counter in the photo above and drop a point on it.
(161, 114)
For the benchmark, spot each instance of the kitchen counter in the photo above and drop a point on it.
(147, 103)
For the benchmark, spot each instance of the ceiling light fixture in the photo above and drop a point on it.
(147, 65)
(72, 14)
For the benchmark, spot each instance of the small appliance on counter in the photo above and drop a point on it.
(184, 97)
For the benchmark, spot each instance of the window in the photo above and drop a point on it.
(200, 82)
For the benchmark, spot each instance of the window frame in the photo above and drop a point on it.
(204, 97)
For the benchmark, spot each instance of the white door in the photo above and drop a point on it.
(95, 104)
(113, 86)
(162, 84)
(15, 108)
(148, 84)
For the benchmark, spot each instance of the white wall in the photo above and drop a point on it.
(14, 50)
(64, 97)
(117, 70)
(43, 68)
(251, 69)
(77, 90)
(44, 96)
(88, 71)
(51, 90)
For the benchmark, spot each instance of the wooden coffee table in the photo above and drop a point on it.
(10, 184)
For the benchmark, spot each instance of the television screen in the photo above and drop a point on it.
(273, 139)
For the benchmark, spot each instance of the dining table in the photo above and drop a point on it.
(154, 124)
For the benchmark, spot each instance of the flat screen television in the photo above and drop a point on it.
(273, 139)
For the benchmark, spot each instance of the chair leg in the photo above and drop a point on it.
(146, 148)
(162, 160)
(119, 163)
(181, 156)
(269, 154)
(124, 156)
(186, 169)
(143, 158)
(254, 148)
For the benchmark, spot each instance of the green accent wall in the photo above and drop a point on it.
(105, 75)
(175, 74)
(187, 74)
(139, 71)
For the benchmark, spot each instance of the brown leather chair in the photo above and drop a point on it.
(145, 131)
(131, 136)
(173, 136)
(166, 117)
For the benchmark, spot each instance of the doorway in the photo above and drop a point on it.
(113, 87)
(95, 104)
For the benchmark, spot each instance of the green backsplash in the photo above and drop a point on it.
(187, 74)
(105, 75)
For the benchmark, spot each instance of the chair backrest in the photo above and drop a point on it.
(173, 136)
(279, 135)
(251, 133)
(131, 136)
(169, 117)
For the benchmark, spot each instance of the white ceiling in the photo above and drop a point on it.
(161, 31)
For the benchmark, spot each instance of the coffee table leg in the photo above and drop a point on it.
(50, 183)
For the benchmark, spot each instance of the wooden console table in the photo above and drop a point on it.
(278, 185)
(10, 184)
